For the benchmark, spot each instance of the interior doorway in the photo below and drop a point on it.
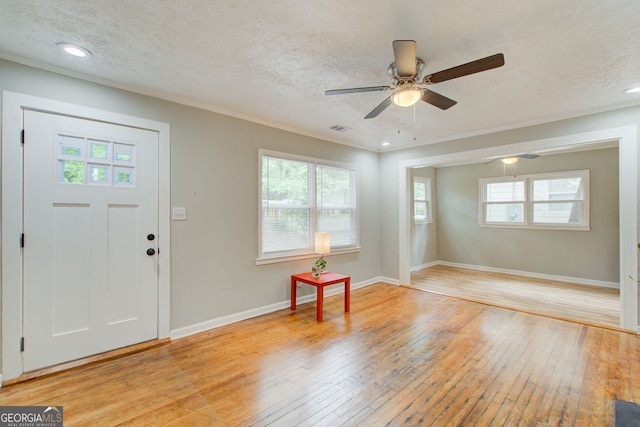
(555, 270)
(627, 140)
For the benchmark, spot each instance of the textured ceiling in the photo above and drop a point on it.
(271, 61)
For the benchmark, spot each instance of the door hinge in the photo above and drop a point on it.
(22, 344)
(22, 136)
(22, 240)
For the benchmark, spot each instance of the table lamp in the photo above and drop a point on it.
(322, 247)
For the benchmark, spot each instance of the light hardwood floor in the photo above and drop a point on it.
(582, 303)
(401, 357)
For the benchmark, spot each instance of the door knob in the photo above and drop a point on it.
(151, 251)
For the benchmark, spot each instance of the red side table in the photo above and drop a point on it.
(325, 279)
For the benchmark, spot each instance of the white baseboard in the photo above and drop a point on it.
(427, 265)
(389, 281)
(244, 315)
(577, 280)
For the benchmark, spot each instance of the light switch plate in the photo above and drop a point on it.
(179, 214)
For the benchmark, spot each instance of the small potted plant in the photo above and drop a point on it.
(318, 267)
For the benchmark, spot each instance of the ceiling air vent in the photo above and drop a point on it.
(340, 128)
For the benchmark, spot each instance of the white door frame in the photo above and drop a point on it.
(13, 105)
(627, 138)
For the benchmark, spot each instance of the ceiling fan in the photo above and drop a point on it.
(509, 160)
(407, 84)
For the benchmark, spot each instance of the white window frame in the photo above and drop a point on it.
(529, 203)
(306, 253)
(427, 200)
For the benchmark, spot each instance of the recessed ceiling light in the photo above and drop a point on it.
(384, 144)
(633, 90)
(74, 50)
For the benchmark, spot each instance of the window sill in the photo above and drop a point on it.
(539, 227)
(287, 258)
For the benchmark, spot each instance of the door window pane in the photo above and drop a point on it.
(99, 174)
(123, 154)
(99, 151)
(70, 147)
(71, 172)
(123, 176)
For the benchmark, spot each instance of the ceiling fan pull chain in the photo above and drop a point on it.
(398, 120)
(414, 122)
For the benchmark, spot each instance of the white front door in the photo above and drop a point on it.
(90, 217)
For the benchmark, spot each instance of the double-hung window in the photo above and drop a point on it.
(300, 196)
(421, 200)
(551, 201)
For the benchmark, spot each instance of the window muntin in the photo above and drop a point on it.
(558, 200)
(421, 200)
(300, 196)
(87, 161)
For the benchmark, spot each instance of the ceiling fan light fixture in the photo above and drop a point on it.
(406, 97)
(509, 160)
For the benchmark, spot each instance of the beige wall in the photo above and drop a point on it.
(591, 255)
(214, 174)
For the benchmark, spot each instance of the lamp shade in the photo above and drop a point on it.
(323, 242)
(406, 97)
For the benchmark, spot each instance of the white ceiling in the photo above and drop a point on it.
(271, 61)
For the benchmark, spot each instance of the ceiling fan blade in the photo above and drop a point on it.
(405, 53)
(492, 160)
(484, 64)
(356, 90)
(379, 109)
(437, 100)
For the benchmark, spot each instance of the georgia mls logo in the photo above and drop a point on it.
(31, 416)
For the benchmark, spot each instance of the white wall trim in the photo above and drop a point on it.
(255, 312)
(13, 105)
(389, 281)
(576, 280)
(427, 265)
(627, 138)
